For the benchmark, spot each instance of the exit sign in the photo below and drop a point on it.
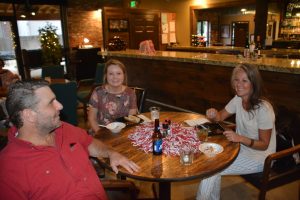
(133, 4)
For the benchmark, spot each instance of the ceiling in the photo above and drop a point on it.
(47, 9)
(42, 11)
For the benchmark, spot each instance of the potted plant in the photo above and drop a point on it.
(52, 50)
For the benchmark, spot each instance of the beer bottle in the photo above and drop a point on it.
(157, 139)
(246, 49)
(258, 46)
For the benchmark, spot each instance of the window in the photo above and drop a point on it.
(203, 29)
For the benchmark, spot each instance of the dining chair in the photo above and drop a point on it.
(114, 186)
(280, 167)
(66, 95)
(86, 86)
(140, 97)
(53, 72)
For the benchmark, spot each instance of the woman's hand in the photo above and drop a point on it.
(232, 136)
(211, 114)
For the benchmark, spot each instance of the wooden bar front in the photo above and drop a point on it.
(197, 86)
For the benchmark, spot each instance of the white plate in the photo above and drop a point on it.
(210, 149)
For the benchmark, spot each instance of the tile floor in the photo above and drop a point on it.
(232, 187)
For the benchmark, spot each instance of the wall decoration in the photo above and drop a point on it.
(225, 31)
(118, 25)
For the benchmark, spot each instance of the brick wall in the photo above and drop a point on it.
(84, 20)
(84, 24)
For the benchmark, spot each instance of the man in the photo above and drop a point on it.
(46, 158)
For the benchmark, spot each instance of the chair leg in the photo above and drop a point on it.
(262, 194)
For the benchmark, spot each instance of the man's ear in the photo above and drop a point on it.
(29, 115)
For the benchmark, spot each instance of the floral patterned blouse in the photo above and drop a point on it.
(112, 106)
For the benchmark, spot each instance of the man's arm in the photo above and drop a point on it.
(99, 149)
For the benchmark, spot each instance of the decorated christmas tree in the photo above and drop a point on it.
(52, 50)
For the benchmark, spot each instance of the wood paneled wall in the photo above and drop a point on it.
(197, 87)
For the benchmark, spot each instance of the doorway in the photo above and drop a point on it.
(240, 33)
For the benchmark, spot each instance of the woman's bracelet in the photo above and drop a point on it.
(251, 143)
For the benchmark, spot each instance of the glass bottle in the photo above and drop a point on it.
(246, 49)
(258, 46)
(157, 139)
(252, 46)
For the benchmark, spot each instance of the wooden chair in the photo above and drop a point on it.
(140, 97)
(273, 176)
(53, 72)
(270, 178)
(120, 189)
(86, 86)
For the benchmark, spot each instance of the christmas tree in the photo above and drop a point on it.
(52, 50)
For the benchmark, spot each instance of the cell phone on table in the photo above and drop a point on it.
(214, 128)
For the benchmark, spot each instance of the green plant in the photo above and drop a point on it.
(52, 50)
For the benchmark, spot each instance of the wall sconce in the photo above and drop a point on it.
(243, 10)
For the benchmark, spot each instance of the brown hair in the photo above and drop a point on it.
(258, 91)
(118, 63)
(21, 95)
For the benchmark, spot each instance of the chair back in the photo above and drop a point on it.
(53, 72)
(66, 95)
(99, 73)
(280, 167)
(140, 97)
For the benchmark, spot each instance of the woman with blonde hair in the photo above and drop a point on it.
(113, 99)
(255, 128)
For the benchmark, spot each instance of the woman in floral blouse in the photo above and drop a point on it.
(113, 99)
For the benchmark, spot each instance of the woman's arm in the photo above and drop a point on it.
(262, 143)
(92, 118)
(214, 115)
(132, 112)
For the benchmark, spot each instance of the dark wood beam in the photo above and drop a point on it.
(261, 16)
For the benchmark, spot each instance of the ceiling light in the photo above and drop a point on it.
(23, 16)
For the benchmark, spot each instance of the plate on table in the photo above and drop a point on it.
(130, 120)
(210, 149)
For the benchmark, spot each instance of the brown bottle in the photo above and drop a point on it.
(156, 139)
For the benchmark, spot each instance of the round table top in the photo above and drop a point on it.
(165, 168)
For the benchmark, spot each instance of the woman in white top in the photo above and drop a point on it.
(255, 128)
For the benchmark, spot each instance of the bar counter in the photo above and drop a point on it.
(264, 63)
(274, 52)
(196, 81)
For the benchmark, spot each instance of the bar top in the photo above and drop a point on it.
(291, 66)
(231, 48)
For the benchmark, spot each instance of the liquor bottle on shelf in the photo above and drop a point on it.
(246, 49)
(157, 139)
(252, 47)
(258, 46)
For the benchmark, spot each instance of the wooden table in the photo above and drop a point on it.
(166, 169)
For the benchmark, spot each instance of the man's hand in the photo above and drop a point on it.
(116, 159)
(99, 149)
